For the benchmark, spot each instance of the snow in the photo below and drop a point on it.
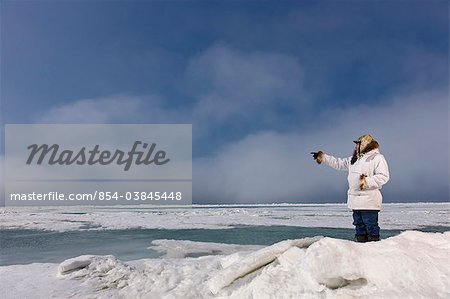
(38, 281)
(411, 265)
(393, 216)
(254, 261)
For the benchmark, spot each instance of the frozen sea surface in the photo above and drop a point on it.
(393, 216)
(31, 246)
(29, 235)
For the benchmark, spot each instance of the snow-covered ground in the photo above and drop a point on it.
(393, 216)
(410, 265)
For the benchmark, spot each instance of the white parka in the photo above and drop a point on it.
(374, 166)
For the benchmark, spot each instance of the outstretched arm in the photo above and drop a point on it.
(336, 163)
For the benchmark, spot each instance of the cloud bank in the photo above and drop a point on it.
(413, 132)
(244, 92)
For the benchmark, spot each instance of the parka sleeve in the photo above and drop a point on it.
(380, 176)
(336, 163)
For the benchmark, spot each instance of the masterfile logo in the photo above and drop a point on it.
(53, 155)
(133, 164)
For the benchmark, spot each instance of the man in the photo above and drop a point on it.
(367, 173)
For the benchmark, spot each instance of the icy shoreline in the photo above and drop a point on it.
(410, 265)
(393, 216)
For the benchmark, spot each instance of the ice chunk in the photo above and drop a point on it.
(254, 261)
(75, 263)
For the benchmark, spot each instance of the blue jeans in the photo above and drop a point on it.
(366, 222)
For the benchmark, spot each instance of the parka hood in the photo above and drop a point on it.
(367, 148)
(371, 146)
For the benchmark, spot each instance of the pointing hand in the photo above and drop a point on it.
(318, 156)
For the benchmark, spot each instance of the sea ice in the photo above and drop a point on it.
(393, 216)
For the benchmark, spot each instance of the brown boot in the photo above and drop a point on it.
(361, 238)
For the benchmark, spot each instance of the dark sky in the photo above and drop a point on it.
(262, 82)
